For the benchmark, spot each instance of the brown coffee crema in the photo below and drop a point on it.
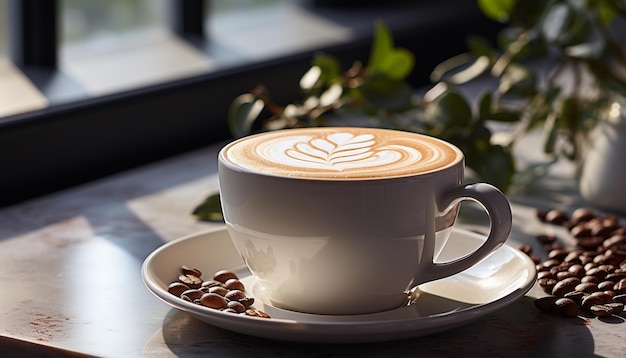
(341, 153)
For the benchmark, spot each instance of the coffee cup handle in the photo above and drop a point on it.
(499, 211)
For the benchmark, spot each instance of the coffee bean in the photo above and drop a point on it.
(606, 285)
(211, 283)
(233, 284)
(237, 306)
(213, 300)
(595, 298)
(247, 301)
(590, 279)
(546, 239)
(582, 214)
(590, 242)
(224, 275)
(564, 286)
(551, 263)
(573, 257)
(586, 287)
(187, 270)
(218, 290)
(597, 272)
(546, 303)
(193, 294)
(177, 288)
(616, 276)
(615, 240)
(558, 254)
(566, 307)
(556, 217)
(601, 310)
(616, 306)
(190, 280)
(619, 298)
(575, 296)
(545, 274)
(580, 231)
(547, 284)
(577, 270)
(227, 295)
(620, 287)
(235, 295)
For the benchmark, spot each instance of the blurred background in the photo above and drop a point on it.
(90, 88)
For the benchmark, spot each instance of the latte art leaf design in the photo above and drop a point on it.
(340, 153)
(336, 152)
(337, 148)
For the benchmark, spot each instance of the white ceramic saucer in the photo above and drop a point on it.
(497, 281)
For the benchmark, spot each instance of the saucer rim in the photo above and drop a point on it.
(358, 331)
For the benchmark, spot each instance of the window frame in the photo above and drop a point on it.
(70, 143)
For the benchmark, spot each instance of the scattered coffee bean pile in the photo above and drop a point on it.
(224, 292)
(591, 278)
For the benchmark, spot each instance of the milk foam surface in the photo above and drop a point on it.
(341, 153)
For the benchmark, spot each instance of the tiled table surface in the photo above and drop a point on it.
(70, 278)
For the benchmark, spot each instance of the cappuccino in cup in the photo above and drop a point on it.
(343, 220)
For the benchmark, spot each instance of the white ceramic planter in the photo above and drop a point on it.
(603, 171)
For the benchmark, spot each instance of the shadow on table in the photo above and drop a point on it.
(518, 330)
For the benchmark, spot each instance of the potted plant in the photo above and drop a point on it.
(558, 67)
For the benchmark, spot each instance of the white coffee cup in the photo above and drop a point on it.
(339, 220)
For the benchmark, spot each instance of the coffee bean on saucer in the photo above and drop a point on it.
(233, 284)
(177, 288)
(190, 280)
(193, 294)
(238, 307)
(213, 300)
(225, 292)
(224, 275)
(186, 270)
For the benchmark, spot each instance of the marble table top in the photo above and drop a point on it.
(70, 281)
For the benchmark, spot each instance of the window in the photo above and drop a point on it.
(134, 81)
(3, 32)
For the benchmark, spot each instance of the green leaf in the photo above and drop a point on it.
(499, 10)
(504, 116)
(484, 105)
(244, 110)
(497, 167)
(387, 93)
(460, 69)
(210, 209)
(396, 63)
(382, 45)
(449, 109)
